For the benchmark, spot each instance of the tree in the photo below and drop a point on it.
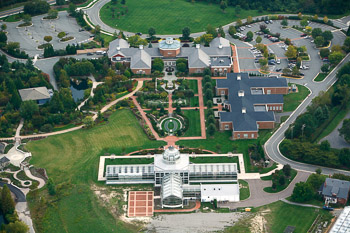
(287, 170)
(28, 109)
(299, 15)
(186, 32)
(249, 19)
(221, 32)
(258, 39)
(178, 110)
(319, 41)
(344, 131)
(291, 52)
(209, 104)
(250, 36)
(47, 38)
(239, 22)
(211, 30)
(302, 192)
(182, 67)
(223, 5)
(16, 227)
(61, 35)
(325, 68)
(209, 94)
(136, 41)
(284, 22)
(318, 171)
(27, 19)
(346, 45)
(60, 2)
(263, 62)
(348, 31)
(53, 13)
(51, 187)
(232, 30)
(157, 65)
(325, 146)
(327, 35)
(7, 203)
(282, 180)
(315, 180)
(3, 27)
(123, 2)
(211, 129)
(344, 156)
(72, 8)
(3, 39)
(335, 57)
(325, 19)
(36, 7)
(316, 32)
(49, 51)
(88, 122)
(151, 32)
(304, 23)
(324, 52)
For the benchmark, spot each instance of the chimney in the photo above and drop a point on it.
(244, 110)
(241, 93)
(238, 77)
(118, 48)
(220, 46)
(198, 46)
(140, 46)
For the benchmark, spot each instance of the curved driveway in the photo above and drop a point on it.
(20, 197)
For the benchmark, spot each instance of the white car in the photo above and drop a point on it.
(248, 26)
(278, 61)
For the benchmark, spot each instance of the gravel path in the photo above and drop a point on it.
(194, 222)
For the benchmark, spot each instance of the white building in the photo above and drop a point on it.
(342, 225)
(220, 192)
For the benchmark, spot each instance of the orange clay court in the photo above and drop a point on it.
(140, 204)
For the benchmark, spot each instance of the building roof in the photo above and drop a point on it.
(169, 44)
(244, 115)
(117, 44)
(172, 186)
(220, 61)
(342, 225)
(336, 188)
(171, 160)
(213, 167)
(4, 159)
(36, 93)
(218, 190)
(219, 41)
(141, 60)
(198, 59)
(130, 169)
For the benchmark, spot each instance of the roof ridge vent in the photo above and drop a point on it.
(244, 110)
(198, 46)
(220, 46)
(239, 77)
(240, 93)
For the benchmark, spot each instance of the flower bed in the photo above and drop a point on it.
(67, 38)
(24, 25)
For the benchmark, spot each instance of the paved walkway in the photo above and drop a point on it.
(170, 100)
(235, 61)
(31, 176)
(258, 197)
(300, 204)
(94, 85)
(198, 205)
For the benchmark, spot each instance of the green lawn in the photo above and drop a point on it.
(279, 187)
(194, 128)
(63, 127)
(169, 16)
(292, 100)
(194, 102)
(71, 160)
(282, 215)
(194, 86)
(244, 192)
(320, 77)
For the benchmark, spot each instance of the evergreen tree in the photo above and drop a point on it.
(7, 203)
(51, 187)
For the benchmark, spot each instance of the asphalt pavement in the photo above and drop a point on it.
(20, 197)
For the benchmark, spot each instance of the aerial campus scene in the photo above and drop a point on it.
(174, 116)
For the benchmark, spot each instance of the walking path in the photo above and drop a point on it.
(94, 85)
(197, 206)
(29, 174)
(300, 204)
(170, 100)
(235, 59)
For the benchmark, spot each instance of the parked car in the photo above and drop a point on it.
(267, 22)
(139, 33)
(278, 61)
(303, 35)
(270, 21)
(90, 54)
(256, 60)
(278, 70)
(249, 26)
(301, 74)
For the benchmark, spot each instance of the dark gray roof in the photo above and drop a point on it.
(141, 60)
(115, 45)
(198, 59)
(247, 121)
(4, 160)
(340, 188)
(36, 93)
(216, 42)
(220, 61)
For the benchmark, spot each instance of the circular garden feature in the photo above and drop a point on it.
(170, 125)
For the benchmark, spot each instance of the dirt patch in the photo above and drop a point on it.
(258, 223)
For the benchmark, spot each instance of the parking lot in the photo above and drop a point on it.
(247, 56)
(31, 37)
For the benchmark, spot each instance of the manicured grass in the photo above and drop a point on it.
(282, 215)
(268, 169)
(320, 77)
(169, 16)
(333, 124)
(311, 202)
(244, 192)
(13, 18)
(194, 86)
(292, 100)
(279, 187)
(194, 102)
(194, 128)
(64, 127)
(71, 160)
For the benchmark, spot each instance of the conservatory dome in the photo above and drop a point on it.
(171, 155)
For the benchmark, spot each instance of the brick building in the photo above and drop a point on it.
(250, 103)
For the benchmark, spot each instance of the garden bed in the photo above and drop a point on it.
(25, 25)
(67, 38)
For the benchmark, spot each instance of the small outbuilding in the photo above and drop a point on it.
(220, 192)
(41, 95)
(4, 162)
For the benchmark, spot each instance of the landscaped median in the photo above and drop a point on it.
(244, 192)
(280, 180)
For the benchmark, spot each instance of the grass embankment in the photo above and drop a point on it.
(169, 17)
(320, 77)
(292, 100)
(279, 187)
(194, 128)
(244, 192)
(71, 160)
(279, 215)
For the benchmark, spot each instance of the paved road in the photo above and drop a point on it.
(19, 9)
(258, 197)
(335, 139)
(20, 197)
(272, 145)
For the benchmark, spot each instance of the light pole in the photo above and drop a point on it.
(302, 130)
(292, 127)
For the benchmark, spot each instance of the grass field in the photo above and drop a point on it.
(292, 100)
(279, 187)
(194, 86)
(169, 16)
(244, 192)
(194, 128)
(71, 160)
(320, 77)
(194, 102)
